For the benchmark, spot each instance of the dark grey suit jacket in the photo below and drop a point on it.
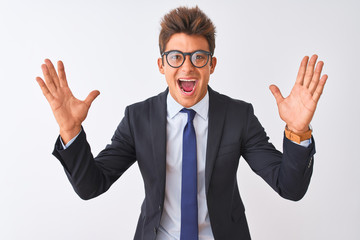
(233, 131)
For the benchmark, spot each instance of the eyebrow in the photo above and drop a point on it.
(187, 52)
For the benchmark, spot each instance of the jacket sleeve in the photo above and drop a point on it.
(288, 173)
(91, 176)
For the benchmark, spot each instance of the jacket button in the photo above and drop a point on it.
(310, 162)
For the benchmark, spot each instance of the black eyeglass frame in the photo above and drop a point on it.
(184, 54)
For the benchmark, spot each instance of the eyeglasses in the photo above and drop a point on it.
(176, 58)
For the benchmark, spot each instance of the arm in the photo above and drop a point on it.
(91, 176)
(288, 173)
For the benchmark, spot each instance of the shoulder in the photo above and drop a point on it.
(154, 101)
(231, 104)
(147, 109)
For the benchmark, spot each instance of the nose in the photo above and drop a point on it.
(187, 65)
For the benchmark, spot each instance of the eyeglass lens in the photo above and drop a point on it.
(176, 58)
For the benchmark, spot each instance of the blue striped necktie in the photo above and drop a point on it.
(189, 204)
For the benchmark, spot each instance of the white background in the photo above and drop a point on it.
(112, 46)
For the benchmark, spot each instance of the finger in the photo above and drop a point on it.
(48, 78)
(277, 94)
(91, 97)
(320, 88)
(310, 70)
(49, 97)
(62, 75)
(301, 72)
(316, 77)
(52, 72)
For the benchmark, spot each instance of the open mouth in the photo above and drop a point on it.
(187, 86)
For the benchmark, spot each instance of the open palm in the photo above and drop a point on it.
(69, 111)
(297, 110)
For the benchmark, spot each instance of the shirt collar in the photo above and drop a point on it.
(201, 108)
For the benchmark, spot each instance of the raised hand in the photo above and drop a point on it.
(69, 111)
(298, 108)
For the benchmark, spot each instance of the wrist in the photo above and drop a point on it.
(68, 134)
(297, 130)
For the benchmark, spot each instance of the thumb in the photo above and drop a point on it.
(91, 97)
(277, 94)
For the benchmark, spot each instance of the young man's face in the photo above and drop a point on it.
(187, 84)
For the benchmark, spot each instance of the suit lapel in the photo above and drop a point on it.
(158, 113)
(217, 110)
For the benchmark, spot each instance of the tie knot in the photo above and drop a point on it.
(191, 113)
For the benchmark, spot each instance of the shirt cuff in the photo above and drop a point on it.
(70, 142)
(304, 143)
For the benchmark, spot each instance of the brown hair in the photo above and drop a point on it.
(191, 21)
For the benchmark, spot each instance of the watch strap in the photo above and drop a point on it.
(295, 137)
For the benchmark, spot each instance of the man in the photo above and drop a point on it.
(189, 158)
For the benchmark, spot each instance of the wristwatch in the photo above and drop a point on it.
(298, 137)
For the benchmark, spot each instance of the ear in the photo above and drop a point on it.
(161, 66)
(213, 65)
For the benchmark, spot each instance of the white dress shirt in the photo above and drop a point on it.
(171, 217)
